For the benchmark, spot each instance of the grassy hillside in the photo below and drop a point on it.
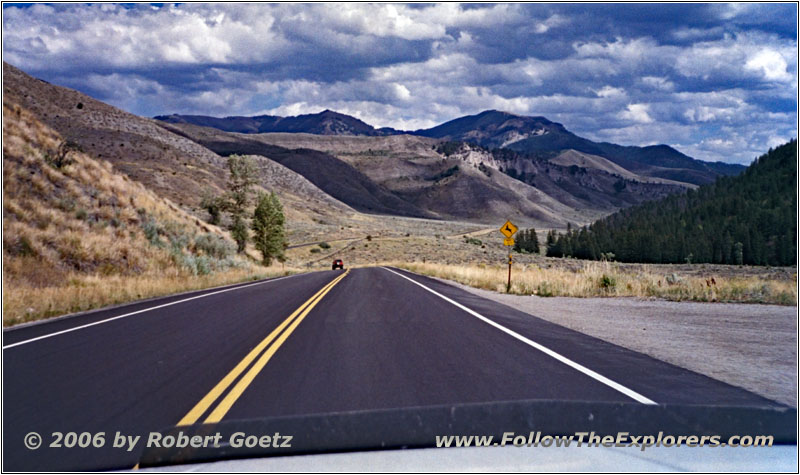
(166, 163)
(78, 235)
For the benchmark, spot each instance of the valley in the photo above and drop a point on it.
(353, 237)
(369, 196)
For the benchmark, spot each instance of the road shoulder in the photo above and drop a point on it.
(746, 345)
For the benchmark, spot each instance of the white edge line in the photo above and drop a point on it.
(42, 337)
(592, 374)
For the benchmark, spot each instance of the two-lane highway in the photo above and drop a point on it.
(134, 374)
(371, 338)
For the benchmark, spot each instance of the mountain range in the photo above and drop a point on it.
(326, 122)
(325, 166)
(535, 136)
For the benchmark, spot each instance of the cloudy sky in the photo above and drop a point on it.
(716, 81)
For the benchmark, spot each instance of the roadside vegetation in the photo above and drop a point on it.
(267, 220)
(267, 225)
(77, 235)
(607, 279)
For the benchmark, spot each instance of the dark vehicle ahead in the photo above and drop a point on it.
(337, 264)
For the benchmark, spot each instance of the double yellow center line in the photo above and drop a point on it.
(262, 352)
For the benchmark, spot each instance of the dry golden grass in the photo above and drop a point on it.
(23, 303)
(80, 236)
(605, 279)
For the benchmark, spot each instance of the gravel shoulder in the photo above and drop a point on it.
(747, 345)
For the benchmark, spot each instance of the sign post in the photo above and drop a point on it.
(508, 284)
(508, 230)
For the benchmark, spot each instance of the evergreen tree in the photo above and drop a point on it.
(238, 229)
(268, 231)
(518, 242)
(526, 241)
(552, 248)
(533, 241)
(746, 219)
(241, 180)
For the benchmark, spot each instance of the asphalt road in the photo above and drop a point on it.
(371, 338)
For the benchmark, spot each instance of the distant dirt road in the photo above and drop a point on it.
(746, 345)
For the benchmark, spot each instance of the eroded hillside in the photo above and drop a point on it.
(77, 234)
(168, 164)
(401, 174)
(458, 180)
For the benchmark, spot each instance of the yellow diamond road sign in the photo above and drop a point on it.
(508, 229)
(508, 241)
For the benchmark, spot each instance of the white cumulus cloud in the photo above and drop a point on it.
(771, 64)
(637, 113)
